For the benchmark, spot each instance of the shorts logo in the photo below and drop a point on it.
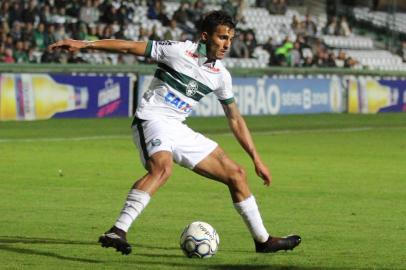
(191, 88)
(155, 142)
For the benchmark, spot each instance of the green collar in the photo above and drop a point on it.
(201, 49)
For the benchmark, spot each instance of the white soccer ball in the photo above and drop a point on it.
(199, 240)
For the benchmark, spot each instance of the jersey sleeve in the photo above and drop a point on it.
(225, 92)
(159, 51)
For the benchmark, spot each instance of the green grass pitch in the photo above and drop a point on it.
(338, 180)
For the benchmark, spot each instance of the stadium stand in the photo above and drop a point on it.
(270, 32)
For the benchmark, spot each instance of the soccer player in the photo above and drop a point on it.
(186, 72)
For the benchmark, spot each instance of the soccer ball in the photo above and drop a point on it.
(199, 240)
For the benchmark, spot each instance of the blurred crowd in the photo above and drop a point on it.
(307, 50)
(27, 27)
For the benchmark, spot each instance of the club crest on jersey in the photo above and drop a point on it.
(191, 88)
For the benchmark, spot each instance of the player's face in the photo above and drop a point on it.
(219, 42)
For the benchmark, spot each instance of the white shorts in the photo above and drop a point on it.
(188, 147)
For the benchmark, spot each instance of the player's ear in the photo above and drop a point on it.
(204, 37)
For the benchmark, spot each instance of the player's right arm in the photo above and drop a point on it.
(114, 45)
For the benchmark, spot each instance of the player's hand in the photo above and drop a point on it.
(262, 171)
(70, 45)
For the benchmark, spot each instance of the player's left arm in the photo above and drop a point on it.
(241, 132)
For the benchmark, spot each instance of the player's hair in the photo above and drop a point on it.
(213, 19)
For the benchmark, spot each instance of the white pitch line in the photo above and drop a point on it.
(127, 137)
(63, 139)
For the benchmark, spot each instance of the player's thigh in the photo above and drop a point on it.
(218, 166)
(152, 137)
(160, 163)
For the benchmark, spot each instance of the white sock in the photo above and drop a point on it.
(249, 211)
(136, 201)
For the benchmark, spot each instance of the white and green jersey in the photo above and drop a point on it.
(183, 77)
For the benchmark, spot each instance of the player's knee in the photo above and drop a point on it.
(237, 177)
(162, 173)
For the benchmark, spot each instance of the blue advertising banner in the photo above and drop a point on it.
(43, 96)
(107, 96)
(398, 95)
(373, 95)
(261, 96)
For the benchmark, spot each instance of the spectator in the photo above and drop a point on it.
(89, 13)
(32, 55)
(120, 34)
(332, 27)
(30, 14)
(295, 55)
(75, 58)
(8, 56)
(60, 32)
(295, 25)
(277, 7)
(153, 35)
(15, 13)
(310, 28)
(4, 12)
(16, 31)
(19, 55)
(340, 60)
(4, 30)
(153, 9)
(27, 33)
(321, 58)
(73, 8)
(110, 15)
(331, 61)
(261, 3)
(60, 16)
(156, 11)
(308, 61)
(39, 37)
(9, 42)
(123, 15)
(107, 32)
(49, 36)
(282, 53)
(173, 32)
(2, 51)
(344, 28)
(230, 7)
(82, 33)
(250, 41)
(143, 34)
(239, 48)
(196, 14)
(181, 16)
(350, 63)
(270, 48)
(45, 15)
(241, 7)
(91, 33)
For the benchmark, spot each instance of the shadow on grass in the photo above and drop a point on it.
(38, 240)
(147, 259)
(206, 265)
(45, 253)
(6, 240)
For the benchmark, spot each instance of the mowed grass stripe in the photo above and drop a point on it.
(118, 137)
